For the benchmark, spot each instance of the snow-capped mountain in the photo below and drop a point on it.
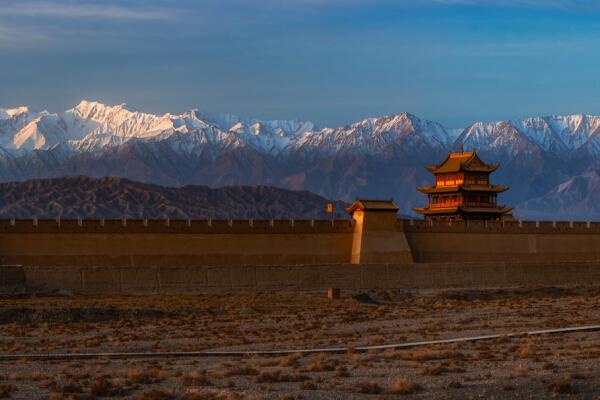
(91, 126)
(374, 135)
(560, 135)
(380, 157)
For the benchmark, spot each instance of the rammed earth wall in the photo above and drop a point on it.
(527, 241)
(374, 250)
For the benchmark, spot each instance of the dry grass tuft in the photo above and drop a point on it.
(104, 387)
(37, 375)
(210, 395)
(155, 394)
(521, 370)
(401, 386)
(563, 387)
(149, 376)
(289, 360)
(318, 364)
(276, 375)
(526, 351)
(6, 390)
(341, 372)
(455, 385)
(308, 386)
(435, 370)
(241, 371)
(370, 387)
(196, 378)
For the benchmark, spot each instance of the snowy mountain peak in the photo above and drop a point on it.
(13, 112)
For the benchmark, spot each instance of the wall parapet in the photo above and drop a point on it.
(246, 226)
(189, 226)
(525, 227)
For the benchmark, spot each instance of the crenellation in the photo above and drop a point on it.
(475, 226)
(531, 226)
(172, 226)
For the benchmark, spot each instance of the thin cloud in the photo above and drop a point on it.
(22, 37)
(567, 5)
(51, 9)
(573, 5)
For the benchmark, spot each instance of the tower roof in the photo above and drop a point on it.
(464, 188)
(462, 161)
(459, 209)
(372, 205)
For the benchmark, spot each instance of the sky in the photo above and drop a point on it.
(329, 61)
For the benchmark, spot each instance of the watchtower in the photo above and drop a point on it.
(463, 190)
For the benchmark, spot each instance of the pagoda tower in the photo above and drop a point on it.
(463, 190)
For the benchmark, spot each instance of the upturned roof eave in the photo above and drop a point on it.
(467, 210)
(458, 188)
(430, 211)
(433, 189)
(486, 210)
(488, 188)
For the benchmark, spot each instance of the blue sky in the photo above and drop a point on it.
(329, 61)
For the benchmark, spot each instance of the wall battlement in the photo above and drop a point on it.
(523, 227)
(232, 226)
(189, 226)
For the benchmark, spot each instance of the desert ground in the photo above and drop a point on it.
(563, 365)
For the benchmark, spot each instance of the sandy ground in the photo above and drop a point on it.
(539, 367)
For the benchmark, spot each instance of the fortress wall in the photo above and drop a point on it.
(348, 277)
(366, 240)
(477, 241)
(174, 243)
(155, 256)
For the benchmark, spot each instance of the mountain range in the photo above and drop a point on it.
(85, 197)
(551, 163)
